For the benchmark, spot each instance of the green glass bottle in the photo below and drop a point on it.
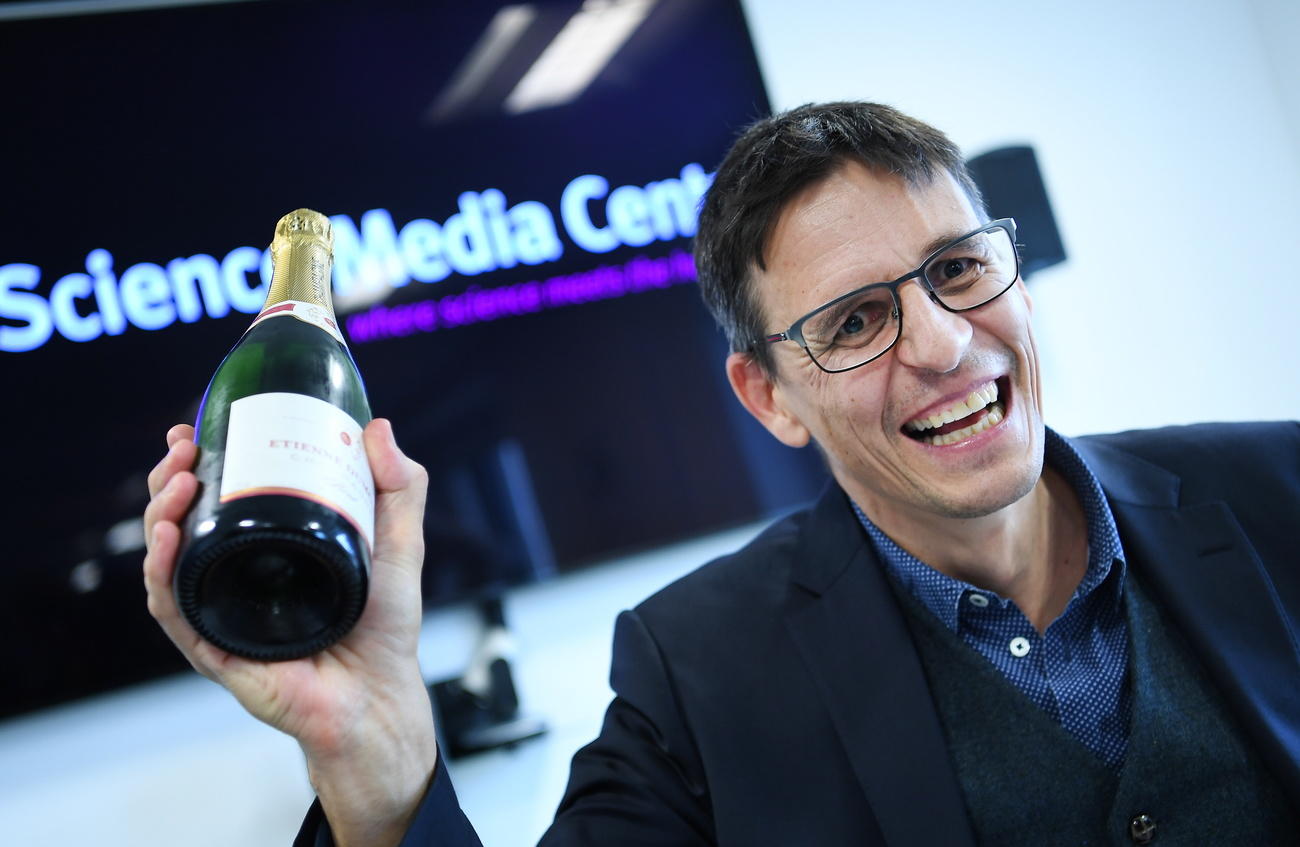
(275, 561)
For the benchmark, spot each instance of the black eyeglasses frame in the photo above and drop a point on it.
(795, 332)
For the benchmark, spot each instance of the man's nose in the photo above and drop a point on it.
(933, 338)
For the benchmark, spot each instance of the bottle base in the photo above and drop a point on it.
(271, 595)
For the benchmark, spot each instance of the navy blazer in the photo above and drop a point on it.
(774, 696)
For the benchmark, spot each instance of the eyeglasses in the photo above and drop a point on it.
(864, 324)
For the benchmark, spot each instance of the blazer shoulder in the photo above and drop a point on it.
(1214, 449)
(1251, 466)
(1174, 445)
(754, 577)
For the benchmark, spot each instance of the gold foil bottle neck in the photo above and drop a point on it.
(305, 222)
(302, 256)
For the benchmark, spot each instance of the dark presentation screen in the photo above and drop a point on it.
(512, 273)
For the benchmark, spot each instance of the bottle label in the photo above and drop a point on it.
(282, 443)
(312, 313)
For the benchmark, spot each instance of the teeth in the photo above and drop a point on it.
(993, 418)
(978, 399)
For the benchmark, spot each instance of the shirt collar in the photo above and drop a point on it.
(942, 594)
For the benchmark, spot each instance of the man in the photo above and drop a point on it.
(983, 633)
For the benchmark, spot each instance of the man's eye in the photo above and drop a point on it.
(864, 318)
(956, 273)
(852, 325)
(956, 268)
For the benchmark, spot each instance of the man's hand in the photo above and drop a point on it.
(359, 709)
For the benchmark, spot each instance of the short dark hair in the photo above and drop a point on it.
(774, 159)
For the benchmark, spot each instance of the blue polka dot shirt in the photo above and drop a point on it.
(1076, 670)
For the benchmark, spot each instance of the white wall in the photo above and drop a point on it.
(1169, 133)
(1279, 24)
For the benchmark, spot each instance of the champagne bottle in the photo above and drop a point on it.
(275, 560)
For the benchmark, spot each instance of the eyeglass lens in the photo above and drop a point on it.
(857, 329)
(853, 330)
(973, 271)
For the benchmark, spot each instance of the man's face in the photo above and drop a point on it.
(859, 226)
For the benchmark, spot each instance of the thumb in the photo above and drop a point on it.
(400, 487)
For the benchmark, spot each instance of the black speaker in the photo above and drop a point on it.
(1012, 186)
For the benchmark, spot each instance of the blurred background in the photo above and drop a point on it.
(512, 187)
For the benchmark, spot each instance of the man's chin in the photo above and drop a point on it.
(983, 494)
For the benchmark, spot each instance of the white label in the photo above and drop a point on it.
(311, 313)
(281, 443)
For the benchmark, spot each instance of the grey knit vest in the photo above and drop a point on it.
(1190, 776)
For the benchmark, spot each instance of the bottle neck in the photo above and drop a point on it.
(301, 272)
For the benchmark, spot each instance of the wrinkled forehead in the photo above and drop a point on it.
(854, 226)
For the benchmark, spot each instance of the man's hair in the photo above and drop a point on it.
(776, 158)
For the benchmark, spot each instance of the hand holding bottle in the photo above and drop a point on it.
(359, 709)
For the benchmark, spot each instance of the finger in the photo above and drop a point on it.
(171, 503)
(159, 564)
(181, 454)
(180, 432)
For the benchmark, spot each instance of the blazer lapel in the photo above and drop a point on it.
(848, 628)
(1208, 576)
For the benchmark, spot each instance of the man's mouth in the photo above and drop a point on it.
(980, 410)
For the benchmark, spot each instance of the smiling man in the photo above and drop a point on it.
(941, 443)
(982, 632)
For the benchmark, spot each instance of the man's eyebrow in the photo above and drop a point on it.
(939, 242)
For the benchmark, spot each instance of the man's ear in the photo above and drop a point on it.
(762, 398)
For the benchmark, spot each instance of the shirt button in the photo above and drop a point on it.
(1019, 647)
(1142, 829)
(978, 600)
